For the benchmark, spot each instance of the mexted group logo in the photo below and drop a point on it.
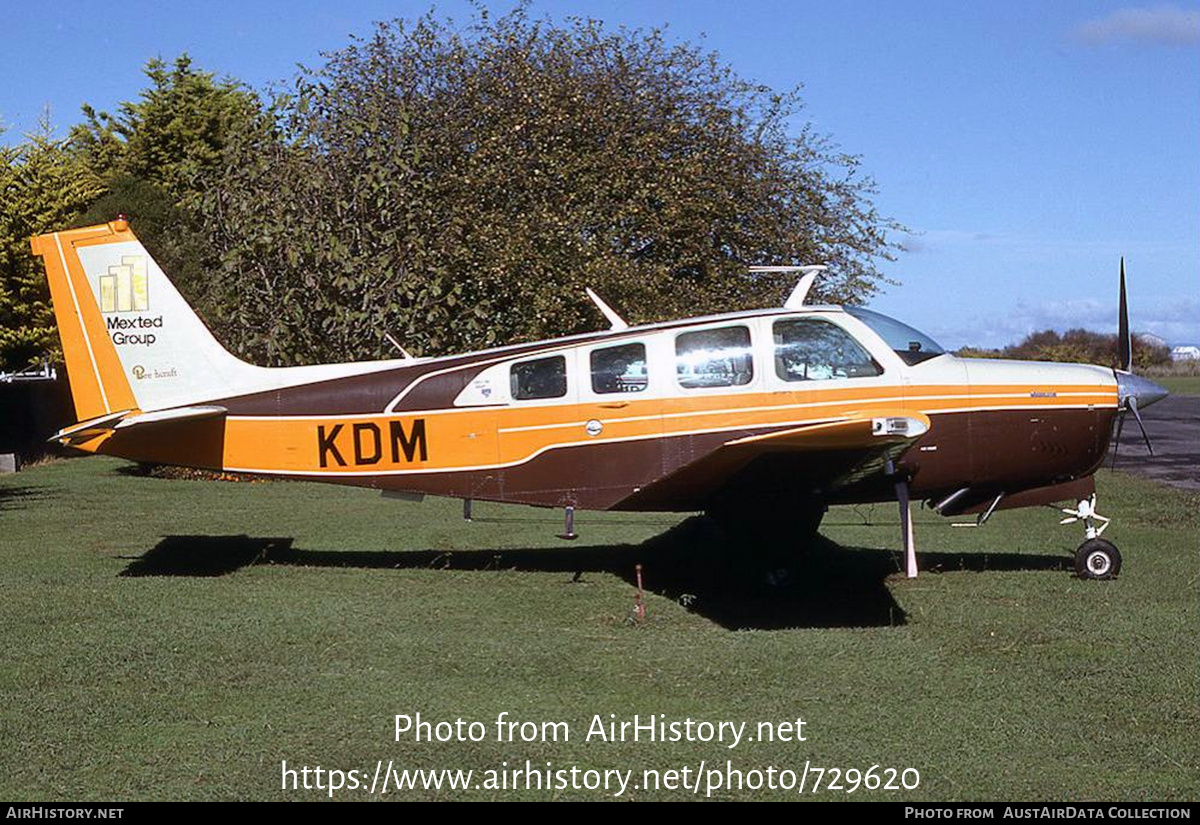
(126, 287)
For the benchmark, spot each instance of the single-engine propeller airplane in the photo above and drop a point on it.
(762, 417)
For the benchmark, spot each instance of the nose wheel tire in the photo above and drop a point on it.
(1097, 559)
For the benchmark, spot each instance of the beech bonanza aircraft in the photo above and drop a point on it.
(782, 411)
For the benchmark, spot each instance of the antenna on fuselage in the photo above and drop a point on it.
(796, 299)
(615, 320)
(396, 344)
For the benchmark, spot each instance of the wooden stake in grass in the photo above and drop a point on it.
(639, 603)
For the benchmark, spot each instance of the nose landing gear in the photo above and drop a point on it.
(1096, 558)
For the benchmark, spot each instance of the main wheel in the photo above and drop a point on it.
(1097, 559)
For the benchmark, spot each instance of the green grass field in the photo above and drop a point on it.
(1179, 384)
(178, 639)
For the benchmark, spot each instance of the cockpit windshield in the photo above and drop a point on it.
(912, 345)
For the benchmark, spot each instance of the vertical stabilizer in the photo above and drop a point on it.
(129, 339)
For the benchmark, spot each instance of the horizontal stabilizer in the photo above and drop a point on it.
(177, 414)
(127, 419)
(87, 430)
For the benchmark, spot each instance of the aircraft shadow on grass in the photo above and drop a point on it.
(14, 497)
(821, 585)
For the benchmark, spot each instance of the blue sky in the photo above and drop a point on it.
(1027, 144)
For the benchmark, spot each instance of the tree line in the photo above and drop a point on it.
(453, 187)
(1078, 346)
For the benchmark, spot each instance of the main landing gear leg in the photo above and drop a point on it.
(906, 530)
(906, 525)
(1096, 558)
(569, 524)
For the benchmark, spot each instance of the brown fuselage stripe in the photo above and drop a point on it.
(1019, 437)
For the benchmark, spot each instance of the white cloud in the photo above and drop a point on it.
(934, 240)
(1176, 322)
(1163, 25)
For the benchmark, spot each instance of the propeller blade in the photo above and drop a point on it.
(1124, 340)
(1138, 416)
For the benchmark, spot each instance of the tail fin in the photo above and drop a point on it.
(129, 339)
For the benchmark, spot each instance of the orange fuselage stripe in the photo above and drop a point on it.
(464, 439)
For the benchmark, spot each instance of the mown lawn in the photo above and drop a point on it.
(1179, 384)
(179, 639)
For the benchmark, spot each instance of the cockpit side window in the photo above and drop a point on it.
(811, 349)
(539, 378)
(912, 345)
(719, 357)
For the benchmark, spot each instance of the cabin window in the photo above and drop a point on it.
(619, 369)
(809, 349)
(714, 358)
(539, 378)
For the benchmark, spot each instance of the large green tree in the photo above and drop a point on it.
(175, 131)
(145, 161)
(43, 186)
(454, 187)
(460, 187)
(152, 155)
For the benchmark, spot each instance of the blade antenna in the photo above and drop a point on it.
(800, 291)
(615, 321)
(403, 352)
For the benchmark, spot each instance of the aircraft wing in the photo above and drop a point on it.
(822, 456)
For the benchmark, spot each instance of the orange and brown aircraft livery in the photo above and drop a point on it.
(797, 407)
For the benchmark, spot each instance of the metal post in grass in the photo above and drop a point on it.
(569, 524)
